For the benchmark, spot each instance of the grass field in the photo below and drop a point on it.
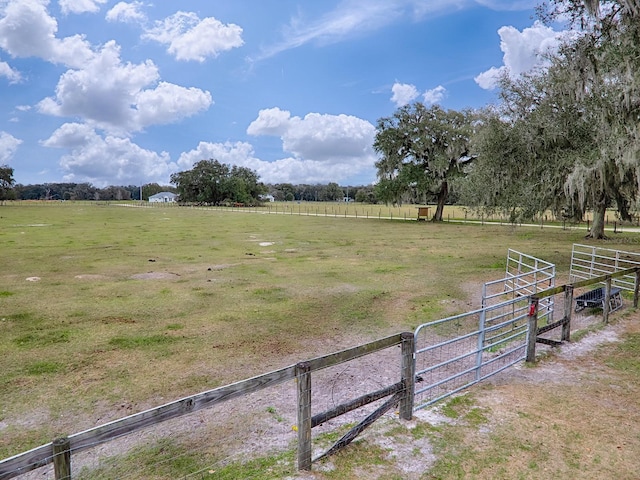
(142, 306)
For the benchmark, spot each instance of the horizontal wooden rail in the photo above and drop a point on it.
(585, 283)
(355, 352)
(320, 418)
(43, 455)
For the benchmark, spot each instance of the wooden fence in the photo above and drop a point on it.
(565, 322)
(60, 450)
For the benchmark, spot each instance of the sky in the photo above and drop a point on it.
(127, 93)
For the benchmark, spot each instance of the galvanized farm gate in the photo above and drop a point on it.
(456, 352)
(588, 262)
(524, 275)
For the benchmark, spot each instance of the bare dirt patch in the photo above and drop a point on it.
(155, 276)
(90, 277)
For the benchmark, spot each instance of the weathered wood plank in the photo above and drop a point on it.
(88, 438)
(303, 377)
(568, 311)
(355, 352)
(358, 429)
(320, 418)
(62, 459)
(585, 283)
(532, 322)
(408, 375)
(547, 341)
(25, 462)
(40, 456)
(551, 326)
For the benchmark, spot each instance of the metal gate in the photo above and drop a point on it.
(456, 352)
(589, 262)
(524, 275)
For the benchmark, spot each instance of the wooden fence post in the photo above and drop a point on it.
(532, 319)
(607, 299)
(62, 458)
(303, 377)
(568, 309)
(636, 289)
(408, 375)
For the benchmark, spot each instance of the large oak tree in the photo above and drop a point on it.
(421, 151)
(212, 182)
(6, 183)
(569, 134)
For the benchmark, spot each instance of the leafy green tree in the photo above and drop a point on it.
(421, 151)
(366, 195)
(333, 192)
(6, 183)
(528, 148)
(569, 134)
(210, 181)
(284, 191)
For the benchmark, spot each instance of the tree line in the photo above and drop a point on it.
(234, 184)
(9, 190)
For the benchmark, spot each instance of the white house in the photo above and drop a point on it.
(163, 197)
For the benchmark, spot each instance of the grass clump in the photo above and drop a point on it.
(44, 368)
(625, 356)
(165, 459)
(141, 341)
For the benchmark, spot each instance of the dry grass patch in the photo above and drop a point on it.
(573, 416)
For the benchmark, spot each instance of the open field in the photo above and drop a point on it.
(136, 307)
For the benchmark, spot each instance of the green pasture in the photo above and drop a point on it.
(141, 306)
(453, 213)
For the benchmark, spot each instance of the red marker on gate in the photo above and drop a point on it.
(533, 308)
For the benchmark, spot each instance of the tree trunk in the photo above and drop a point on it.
(442, 198)
(597, 227)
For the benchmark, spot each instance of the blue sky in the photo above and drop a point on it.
(119, 93)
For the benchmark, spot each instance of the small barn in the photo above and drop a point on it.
(163, 197)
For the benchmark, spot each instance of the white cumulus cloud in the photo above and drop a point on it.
(9, 73)
(270, 121)
(403, 93)
(238, 153)
(108, 160)
(126, 12)
(122, 97)
(322, 147)
(190, 38)
(80, 6)
(8, 146)
(435, 95)
(27, 30)
(522, 52)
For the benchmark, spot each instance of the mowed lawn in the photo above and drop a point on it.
(137, 306)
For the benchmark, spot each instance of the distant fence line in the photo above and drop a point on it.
(461, 214)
